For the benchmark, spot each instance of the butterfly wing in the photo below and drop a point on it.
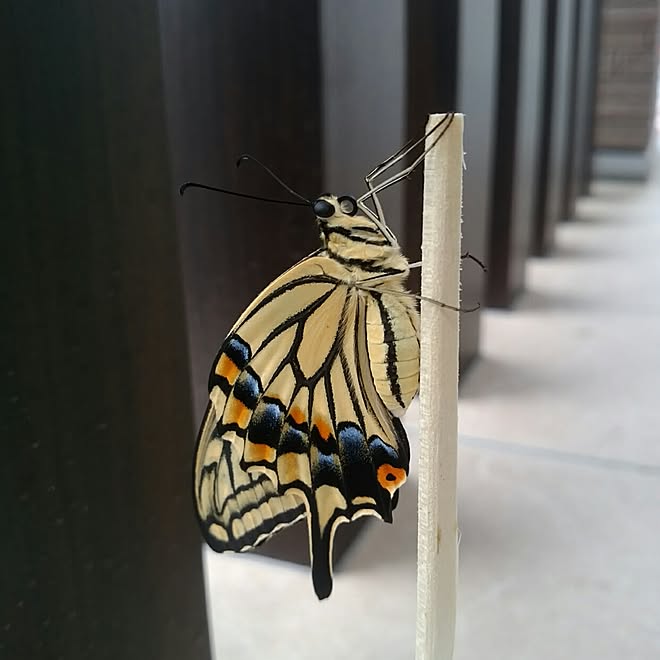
(295, 426)
(238, 510)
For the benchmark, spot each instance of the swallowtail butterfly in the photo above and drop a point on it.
(307, 389)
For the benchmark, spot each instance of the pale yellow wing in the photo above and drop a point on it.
(295, 425)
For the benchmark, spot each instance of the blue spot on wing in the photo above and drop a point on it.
(293, 440)
(381, 451)
(351, 442)
(266, 423)
(238, 351)
(248, 389)
(325, 470)
(325, 463)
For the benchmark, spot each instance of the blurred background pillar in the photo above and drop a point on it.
(364, 91)
(239, 78)
(522, 156)
(479, 34)
(452, 65)
(557, 133)
(100, 550)
(517, 151)
(586, 75)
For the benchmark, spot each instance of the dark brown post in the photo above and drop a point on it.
(100, 552)
(557, 124)
(590, 23)
(500, 254)
(518, 150)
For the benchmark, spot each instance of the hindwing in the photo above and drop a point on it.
(295, 426)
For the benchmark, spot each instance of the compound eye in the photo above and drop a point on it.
(323, 208)
(347, 205)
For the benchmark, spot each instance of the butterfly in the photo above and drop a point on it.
(306, 391)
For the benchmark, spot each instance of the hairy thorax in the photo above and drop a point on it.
(379, 273)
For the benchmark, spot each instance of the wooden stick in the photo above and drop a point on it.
(437, 536)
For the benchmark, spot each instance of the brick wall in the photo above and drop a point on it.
(628, 61)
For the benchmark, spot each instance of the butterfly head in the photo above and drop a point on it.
(328, 206)
(345, 227)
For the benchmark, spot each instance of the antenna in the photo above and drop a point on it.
(193, 184)
(272, 174)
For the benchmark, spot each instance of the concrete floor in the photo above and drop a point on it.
(559, 496)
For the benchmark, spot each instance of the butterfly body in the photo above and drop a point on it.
(306, 392)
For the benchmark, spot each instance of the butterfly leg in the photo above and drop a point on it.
(379, 209)
(467, 255)
(381, 167)
(409, 146)
(410, 169)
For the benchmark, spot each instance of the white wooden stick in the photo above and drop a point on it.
(437, 536)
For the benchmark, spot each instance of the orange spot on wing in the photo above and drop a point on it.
(390, 477)
(255, 452)
(323, 427)
(236, 413)
(297, 415)
(227, 369)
